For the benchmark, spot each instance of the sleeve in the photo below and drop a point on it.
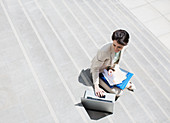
(97, 63)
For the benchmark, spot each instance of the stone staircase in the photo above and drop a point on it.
(46, 49)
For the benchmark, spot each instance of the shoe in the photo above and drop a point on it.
(131, 87)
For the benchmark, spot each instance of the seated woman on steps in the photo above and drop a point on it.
(109, 55)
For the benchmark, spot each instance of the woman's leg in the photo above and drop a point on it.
(114, 90)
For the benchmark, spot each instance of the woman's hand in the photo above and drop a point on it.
(98, 91)
(110, 72)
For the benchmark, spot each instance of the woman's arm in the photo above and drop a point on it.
(97, 63)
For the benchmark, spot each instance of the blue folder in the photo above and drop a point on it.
(121, 85)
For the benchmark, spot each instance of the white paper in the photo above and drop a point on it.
(114, 77)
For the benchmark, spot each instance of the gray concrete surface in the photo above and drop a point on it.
(154, 15)
(46, 49)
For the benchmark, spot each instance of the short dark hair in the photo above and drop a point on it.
(121, 36)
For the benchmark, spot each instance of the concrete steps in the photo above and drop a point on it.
(50, 43)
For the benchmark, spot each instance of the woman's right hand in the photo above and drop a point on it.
(98, 91)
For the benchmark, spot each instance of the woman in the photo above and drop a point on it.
(109, 55)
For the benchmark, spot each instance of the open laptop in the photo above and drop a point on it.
(105, 104)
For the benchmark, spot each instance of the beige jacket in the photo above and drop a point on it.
(103, 59)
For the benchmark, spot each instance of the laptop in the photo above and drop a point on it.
(92, 102)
